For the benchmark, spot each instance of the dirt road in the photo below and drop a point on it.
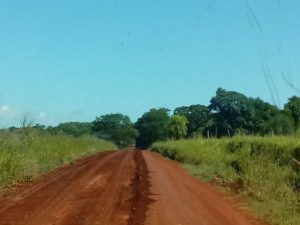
(116, 188)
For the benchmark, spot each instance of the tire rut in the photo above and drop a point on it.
(141, 191)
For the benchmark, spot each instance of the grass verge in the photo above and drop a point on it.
(24, 157)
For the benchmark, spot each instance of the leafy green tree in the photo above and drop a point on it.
(292, 107)
(75, 129)
(178, 126)
(233, 111)
(52, 130)
(116, 128)
(39, 127)
(264, 112)
(281, 124)
(13, 129)
(199, 118)
(152, 126)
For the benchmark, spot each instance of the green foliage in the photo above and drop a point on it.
(75, 129)
(281, 124)
(152, 126)
(26, 126)
(264, 112)
(229, 113)
(199, 118)
(178, 127)
(292, 108)
(232, 111)
(116, 128)
(25, 156)
(263, 170)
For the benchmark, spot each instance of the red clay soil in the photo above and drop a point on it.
(116, 188)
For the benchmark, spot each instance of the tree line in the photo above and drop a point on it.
(229, 113)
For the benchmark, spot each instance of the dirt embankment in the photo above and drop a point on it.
(120, 188)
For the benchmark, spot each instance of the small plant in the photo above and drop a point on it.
(26, 125)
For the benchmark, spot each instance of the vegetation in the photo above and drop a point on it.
(28, 153)
(152, 126)
(199, 118)
(116, 128)
(263, 170)
(229, 113)
(75, 129)
(178, 126)
(292, 108)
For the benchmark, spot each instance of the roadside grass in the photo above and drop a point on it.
(26, 155)
(262, 170)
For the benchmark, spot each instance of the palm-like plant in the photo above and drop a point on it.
(178, 126)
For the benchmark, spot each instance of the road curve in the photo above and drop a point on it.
(116, 188)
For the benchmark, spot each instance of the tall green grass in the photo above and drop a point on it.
(26, 155)
(263, 170)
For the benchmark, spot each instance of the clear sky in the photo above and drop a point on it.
(71, 60)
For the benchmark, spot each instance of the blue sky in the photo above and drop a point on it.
(73, 60)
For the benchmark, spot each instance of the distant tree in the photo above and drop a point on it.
(281, 124)
(264, 112)
(292, 107)
(178, 126)
(52, 130)
(199, 118)
(152, 126)
(116, 128)
(13, 129)
(39, 127)
(232, 111)
(75, 129)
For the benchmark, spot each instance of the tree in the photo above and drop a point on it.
(116, 128)
(199, 118)
(52, 130)
(178, 126)
(13, 129)
(293, 109)
(233, 111)
(75, 129)
(152, 126)
(281, 124)
(264, 112)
